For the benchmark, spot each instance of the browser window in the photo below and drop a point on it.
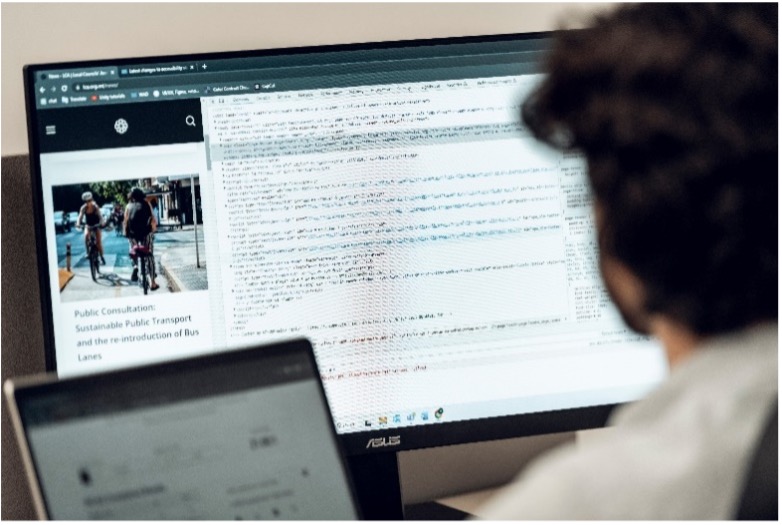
(398, 215)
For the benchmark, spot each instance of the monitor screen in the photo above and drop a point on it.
(382, 200)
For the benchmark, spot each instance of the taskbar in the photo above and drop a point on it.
(488, 409)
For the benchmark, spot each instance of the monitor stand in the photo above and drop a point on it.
(376, 481)
(404, 485)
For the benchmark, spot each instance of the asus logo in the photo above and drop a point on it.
(390, 441)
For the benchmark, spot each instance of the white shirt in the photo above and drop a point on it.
(680, 453)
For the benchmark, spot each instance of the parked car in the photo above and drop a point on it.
(61, 222)
(72, 216)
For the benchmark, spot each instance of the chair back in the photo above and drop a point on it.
(760, 498)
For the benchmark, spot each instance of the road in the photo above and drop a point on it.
(115, 275)
(176, 256)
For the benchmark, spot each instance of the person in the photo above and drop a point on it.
(156, 211)
(90, 214)
(139, 226)
(117, 217)
(674, 108)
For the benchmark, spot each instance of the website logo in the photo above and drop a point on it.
(121, 126)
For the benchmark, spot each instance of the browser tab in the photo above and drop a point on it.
(102, 73)
(232, 88)
(161, 69)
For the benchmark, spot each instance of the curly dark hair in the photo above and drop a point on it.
(137, 194)
(674, 107)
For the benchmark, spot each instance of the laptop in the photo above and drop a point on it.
(243, 434)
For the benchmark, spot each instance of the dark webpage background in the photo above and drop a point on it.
(149, 124)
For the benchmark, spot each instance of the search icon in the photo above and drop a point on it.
(190, 120)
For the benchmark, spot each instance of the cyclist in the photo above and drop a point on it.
(140, 226)
(90, 214)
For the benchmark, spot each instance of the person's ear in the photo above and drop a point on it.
(625, 288)
(627, 292)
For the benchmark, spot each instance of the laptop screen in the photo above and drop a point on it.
(240, 435)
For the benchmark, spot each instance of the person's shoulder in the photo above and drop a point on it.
(680, 453)
(577, 482)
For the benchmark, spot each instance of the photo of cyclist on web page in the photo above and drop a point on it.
(130, 237)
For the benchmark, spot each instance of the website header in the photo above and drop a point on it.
(120, 126)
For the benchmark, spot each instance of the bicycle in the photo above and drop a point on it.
(93, 254)
(145, 262)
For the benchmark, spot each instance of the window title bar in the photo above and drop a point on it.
(285, 72)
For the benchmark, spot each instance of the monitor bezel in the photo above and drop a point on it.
(414, 437)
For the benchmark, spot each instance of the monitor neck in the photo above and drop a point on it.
(377, 485)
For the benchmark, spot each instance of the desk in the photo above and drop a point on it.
(502, 461)
(470, 502)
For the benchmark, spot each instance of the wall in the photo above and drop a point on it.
(36, 33)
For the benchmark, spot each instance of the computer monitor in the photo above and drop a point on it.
(382, 200)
